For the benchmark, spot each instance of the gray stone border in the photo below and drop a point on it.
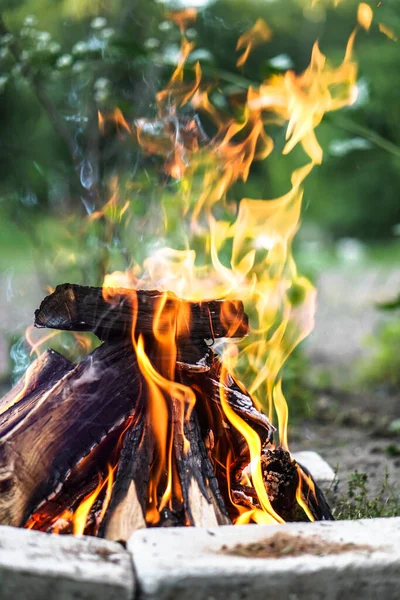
(204, 564)
(198, 564)
(194, 563)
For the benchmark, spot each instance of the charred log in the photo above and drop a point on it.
(210, 387)
(203, 503)
(79, 308)
(315, 498)
(61, 425)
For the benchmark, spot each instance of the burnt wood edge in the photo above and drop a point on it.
(317, 503)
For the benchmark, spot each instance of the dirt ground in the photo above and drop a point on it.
(351, 429)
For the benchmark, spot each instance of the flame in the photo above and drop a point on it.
(115, 117)
(245, 249)
(254, 445)
(365, 15)
(388, 32)
(80, 516)
(160, 389)
(257, 35)
(282, 411)
(303, 478)
(211, 247)
(81, 513)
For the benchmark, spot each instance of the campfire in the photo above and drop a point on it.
(165, 422)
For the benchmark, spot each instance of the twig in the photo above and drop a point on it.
(369, 134)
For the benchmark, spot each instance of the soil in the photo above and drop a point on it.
(351, 428)
(282, 545)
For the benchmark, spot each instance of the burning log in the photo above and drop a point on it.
(127, 509)
(50, 431)
(80, 308)
(60, 425)
(201, 502)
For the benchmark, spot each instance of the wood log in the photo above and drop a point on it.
(204, 505)
(127, 510)
(209, 386)
(54, 514)
(40, 375)
(61, 427)
(79, 308)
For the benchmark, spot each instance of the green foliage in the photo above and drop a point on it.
(89, 55)
(359, 505)
(383, 366)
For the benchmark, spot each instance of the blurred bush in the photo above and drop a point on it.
(62, 61)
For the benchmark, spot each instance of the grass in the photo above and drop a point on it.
(383, 366)
(359, 505)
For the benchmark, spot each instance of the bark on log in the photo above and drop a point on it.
(61, 427)
(204, 505)
(79, 308)
(209, 386)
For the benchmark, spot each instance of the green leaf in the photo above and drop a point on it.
(390, 304)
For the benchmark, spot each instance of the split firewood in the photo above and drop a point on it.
(61, 427)
(55, 514)
(204, 505)
(127, 510)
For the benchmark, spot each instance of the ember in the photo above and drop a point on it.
(163, 423)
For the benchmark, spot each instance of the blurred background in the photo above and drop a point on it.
(61, 61)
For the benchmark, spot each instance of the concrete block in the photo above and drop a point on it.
(321, 471)
(40, 566)
(315, 561)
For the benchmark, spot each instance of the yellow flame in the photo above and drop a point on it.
(257, 35)
(365, 15)
(254, 444)
(282, 411)
(299, 492)
(388, 32)
(82, 512)
(217, 249)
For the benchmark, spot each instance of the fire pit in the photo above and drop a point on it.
(176, 417)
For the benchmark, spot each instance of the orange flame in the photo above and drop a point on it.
(220, 249)
(83, 510)
(257, 35)
(246, 252)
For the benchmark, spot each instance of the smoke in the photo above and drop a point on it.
(20, 359)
